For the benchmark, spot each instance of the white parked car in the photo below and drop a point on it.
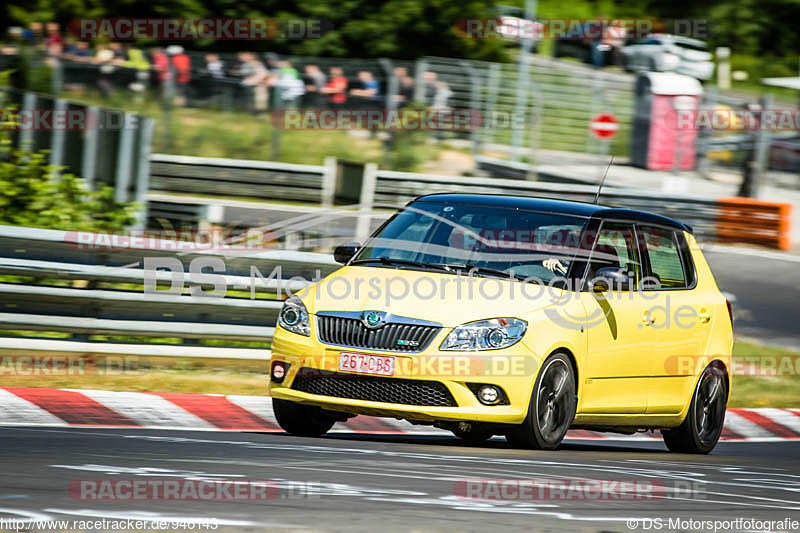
(669, 53)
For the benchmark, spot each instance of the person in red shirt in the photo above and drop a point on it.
(160, 64)
(336, 88)
(183, 70)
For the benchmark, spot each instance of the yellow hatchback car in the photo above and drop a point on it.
(524, 317)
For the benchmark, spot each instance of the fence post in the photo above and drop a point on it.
(366, 202)
(26, 135)
(523, 80)
(723, 67)
(59, 137)
(492, 83)
(89, 156)
(143, 169)
(124, 159)
(275, 137)
(474, 98)
(419, 81)
(56, 77)
(329, 181)
(391, 103)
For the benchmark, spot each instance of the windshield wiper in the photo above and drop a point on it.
(444, 267)
(479, 270)
(405, 262)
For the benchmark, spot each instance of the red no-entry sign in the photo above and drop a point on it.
(604, 126)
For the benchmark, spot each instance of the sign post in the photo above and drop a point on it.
(605, 127)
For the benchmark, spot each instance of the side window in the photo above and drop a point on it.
(615, 247)
(664, 253)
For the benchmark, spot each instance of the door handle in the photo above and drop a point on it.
(704, 316)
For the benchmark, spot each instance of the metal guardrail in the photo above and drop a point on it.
(381, 188)
(700, 213)
(99, 306)
(237, 177)
(102, 303)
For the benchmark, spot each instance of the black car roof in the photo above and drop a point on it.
(581, 209)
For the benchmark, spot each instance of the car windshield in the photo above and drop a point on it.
(489, 240)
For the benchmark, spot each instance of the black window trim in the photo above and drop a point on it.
(684, 254)
(601, 223)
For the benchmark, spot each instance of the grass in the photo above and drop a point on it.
(766, 391)
(243, 135)
(154, 374)
(248, 377)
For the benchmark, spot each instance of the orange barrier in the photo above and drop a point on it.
(745, 220)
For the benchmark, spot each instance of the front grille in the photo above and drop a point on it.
(396, 337)
(373, 388)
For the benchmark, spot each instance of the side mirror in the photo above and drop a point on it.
(608, 278)
(345, 252)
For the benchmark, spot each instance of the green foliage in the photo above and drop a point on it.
(34, 193)
(361, 28)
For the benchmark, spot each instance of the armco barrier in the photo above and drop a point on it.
(103, 304)
(745, 220)
(737, 220)
(266, 180)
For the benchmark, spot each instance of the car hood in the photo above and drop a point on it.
(433, 296)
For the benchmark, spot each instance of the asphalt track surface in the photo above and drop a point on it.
(390, 483)
(766, 286)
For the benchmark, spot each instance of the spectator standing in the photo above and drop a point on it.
(370, 89)
(104, 58)
(443, 94)
(215, 68)
(76, 50)
(183, 72)
(429, 80)
(290, 85)
(315, 81)
(255, 76)
(53, 33)
(405, 87)
(336, 88)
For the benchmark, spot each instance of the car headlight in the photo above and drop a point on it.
(491, 334)
(294, 317)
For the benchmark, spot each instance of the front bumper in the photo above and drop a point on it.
(512, 369)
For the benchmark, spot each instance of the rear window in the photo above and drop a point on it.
(667, 256)
(691, 46)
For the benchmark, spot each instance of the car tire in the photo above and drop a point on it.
(301, 420)
(474, 435)
(626, 65)
(702, 427)
(551, 409)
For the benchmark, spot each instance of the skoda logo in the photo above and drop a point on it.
(373, 319)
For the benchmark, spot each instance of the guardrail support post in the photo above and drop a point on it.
(366, 202)
(124, 161)
(329, 182)
(59, 137)
(89, 156)
(143, 168)
(26, 135)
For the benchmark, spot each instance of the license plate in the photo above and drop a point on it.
(364, 363)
